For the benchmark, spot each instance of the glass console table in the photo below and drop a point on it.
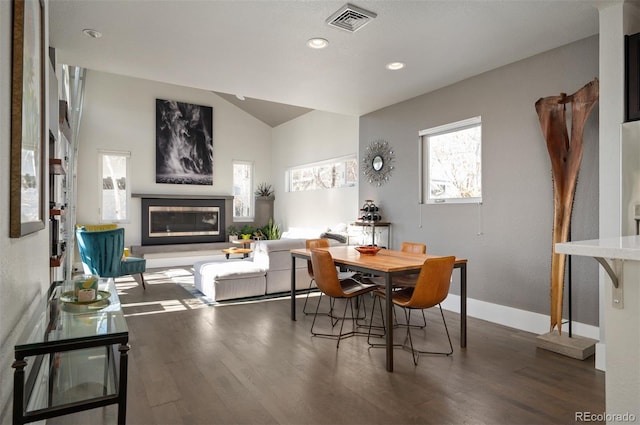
(71, 357)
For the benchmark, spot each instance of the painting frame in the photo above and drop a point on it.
(632, 77)
(27, 154)
(184, 143)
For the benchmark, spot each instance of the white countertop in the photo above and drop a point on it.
(624, 248)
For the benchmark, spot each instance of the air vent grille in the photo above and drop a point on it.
(350, 18)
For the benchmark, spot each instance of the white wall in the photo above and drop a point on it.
(507, 239)
(119, 114)
(24, 262)
(315, 136)
(615, 21)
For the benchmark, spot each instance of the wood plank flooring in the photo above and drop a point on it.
(250, 364)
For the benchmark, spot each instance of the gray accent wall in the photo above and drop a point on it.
(507, 238)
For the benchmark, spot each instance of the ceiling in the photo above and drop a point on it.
(257, 49)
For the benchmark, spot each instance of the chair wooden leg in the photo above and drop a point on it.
(142, 280)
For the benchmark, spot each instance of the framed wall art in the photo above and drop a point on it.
(184, 143)
(632, 77)
(27, 209)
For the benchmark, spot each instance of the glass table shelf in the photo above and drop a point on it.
(72, 356)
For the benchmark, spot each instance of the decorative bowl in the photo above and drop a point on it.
(368, 250)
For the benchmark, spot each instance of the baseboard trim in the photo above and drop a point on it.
(515, 318)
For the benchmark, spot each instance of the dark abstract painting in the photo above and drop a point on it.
(184, 143)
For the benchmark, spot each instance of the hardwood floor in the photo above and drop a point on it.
(250, 364)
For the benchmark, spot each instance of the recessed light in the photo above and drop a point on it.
(317, 43)
(92, 33)
(240, 97)
(394, 66)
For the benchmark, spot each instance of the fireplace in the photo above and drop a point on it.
(177, 220)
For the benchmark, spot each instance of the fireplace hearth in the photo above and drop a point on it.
(182, 220)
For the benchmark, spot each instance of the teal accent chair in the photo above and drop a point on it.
(101, 253)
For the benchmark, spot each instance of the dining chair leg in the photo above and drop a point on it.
(142, 280)
(344, 315)
(316, 315)
(384, 329)
(422, 326)
(415, 353)
(308, 313)
(304, 308)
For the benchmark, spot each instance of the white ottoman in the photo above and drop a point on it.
(230, 279)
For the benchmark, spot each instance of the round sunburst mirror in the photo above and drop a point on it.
(377, 162)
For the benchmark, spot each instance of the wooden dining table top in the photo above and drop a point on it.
(386, 260)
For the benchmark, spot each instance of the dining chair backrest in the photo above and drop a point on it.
(315, 243)
(325, 273)
(101, 251)
(433, 283)
(413, 247)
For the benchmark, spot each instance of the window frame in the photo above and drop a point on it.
(425, 172)
(339, 159)
(127, 155)
(252, 203)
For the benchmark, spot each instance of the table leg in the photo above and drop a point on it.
(463, 305)
(18, 390)
(122, 390)
(293, 288)
(389, 308)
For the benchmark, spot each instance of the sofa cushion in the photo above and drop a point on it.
(275, 254)
(303, 232)
(229, 279)
(229, 269)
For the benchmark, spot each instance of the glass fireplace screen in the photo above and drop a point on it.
(183, 221)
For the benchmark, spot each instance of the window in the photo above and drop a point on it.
(115, 193)
(243, 190)
(452, 162)
(333, 173)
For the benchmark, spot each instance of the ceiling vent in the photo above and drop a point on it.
(350, 18)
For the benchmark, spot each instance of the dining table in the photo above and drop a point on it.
(386, 263)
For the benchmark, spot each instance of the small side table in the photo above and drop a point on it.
(243, 242)
(371, 226)
(244, 251)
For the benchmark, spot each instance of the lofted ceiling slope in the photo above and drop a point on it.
(258, 49)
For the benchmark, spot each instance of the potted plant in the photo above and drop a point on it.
(271, 231)
(232, 232)
(246, 232)
(264, 190)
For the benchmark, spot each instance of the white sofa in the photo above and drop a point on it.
(267, 271)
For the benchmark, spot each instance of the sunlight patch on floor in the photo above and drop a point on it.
(163, 306)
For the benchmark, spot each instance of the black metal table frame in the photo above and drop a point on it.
(462, 266)
(20, 416)
(119, 339)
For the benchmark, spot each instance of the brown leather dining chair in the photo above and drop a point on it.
(326, 278)
(409, 279)
(311, 244)
(431, 288)
(406, 280)
(414, 247)
(318, 243)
